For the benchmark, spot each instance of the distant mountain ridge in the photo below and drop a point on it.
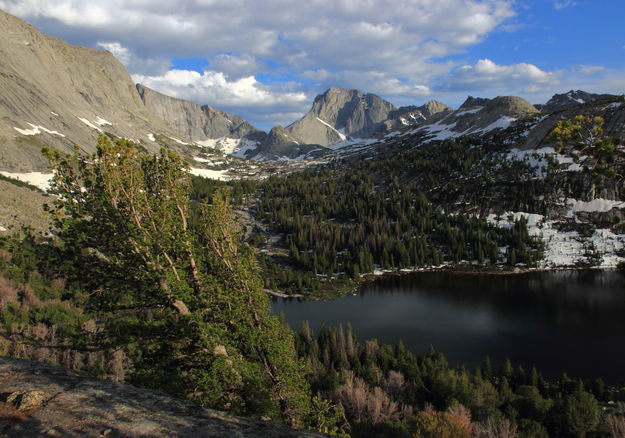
(570, 99)
(193, 121)
(56, 94)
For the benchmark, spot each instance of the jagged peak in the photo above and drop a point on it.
(434, 107)
(472, 102)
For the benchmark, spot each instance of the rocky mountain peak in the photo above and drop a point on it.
(510, 106)
(338, 114)
(433, 107)
(473, 102)
(570, 99)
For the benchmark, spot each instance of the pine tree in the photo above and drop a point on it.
(187, 304)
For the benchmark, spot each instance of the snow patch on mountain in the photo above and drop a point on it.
(102, 122)
(439, 131)
(36, 129)
(469, 111)
(179, 141)
(339, 133)
(245, 146)
(538, 158)
(570, 96)
(596, 205)
(352, 142)
(502, 123)
(38, 179)
(227, 145)
(210, 173)
(566, 248)
(89, 124)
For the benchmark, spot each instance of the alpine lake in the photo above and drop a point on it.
(572, 321)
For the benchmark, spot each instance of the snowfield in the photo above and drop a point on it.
(210, 173)
(37, 179)
(226, 144)
(567, 249)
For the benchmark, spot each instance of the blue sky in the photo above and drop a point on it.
(266, 60)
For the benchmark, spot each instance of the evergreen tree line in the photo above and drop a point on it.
(387, 391)
(344, 221)
(360, 388)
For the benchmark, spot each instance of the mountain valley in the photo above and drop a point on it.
(142, 236)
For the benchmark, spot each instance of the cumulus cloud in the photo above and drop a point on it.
(588, 70)
(487, 75)
(334, 35)
(236, 66)
(243, 96)
(217, 87)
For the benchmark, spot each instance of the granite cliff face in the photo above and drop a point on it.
(41, 400)
(56, 94)
(192, 121)
(339, 114)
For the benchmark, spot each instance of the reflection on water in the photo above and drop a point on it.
(567, 320)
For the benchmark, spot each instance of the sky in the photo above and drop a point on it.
(266, 60)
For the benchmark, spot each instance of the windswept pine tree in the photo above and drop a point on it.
(185, 302)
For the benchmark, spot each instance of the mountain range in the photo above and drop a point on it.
(56, 94)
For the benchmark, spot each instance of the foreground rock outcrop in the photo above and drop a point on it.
(41, 400)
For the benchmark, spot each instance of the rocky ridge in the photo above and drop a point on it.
(279, 145)
(413, 115)
(190, 120)
(571, 99)
(42, 400)
(56, 94)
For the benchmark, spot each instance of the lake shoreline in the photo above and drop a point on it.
(553, 319)
(451, 269)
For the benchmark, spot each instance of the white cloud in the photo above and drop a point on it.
(243, 96)
(487, 75)
(212, 86)
(120, 52)
(236, 66)
(398, 37)
(388, 48)
(589, 69)
(559, 5)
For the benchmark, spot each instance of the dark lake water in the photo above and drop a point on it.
(571, 321)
